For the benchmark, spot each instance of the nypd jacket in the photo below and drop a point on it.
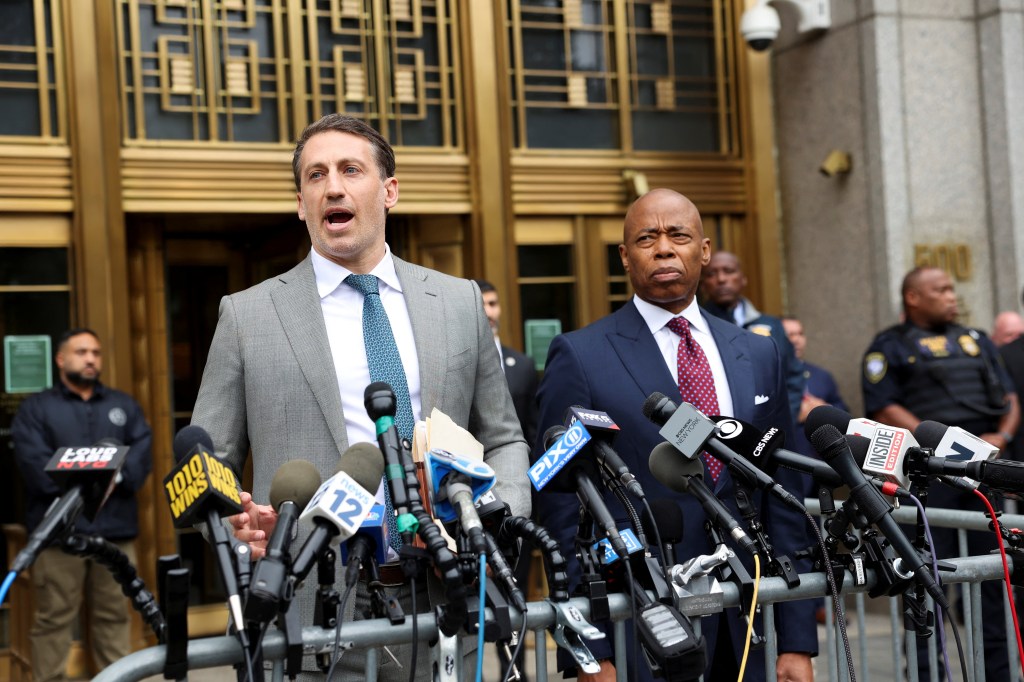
(57, 418)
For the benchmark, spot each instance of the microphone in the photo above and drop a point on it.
(201, 488)
(607, 458)
(291, 489)
(963, 455)
(690, 432)
(340, 505)
(888, 447)
(457, 483)
(687, 475)
(86, 477)
(381, 405)
(370, 541)
(766, 451)
(670, 523)
(561, 445)
(832, 446)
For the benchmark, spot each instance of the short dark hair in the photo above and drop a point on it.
(383, 154)
(485, 286)
(75, 331)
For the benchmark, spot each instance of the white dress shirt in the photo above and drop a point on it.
(668, 343)
(342, 307)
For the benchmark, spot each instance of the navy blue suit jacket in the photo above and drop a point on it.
(613, 365)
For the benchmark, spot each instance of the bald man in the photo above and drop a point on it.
(1009, 325)
(614, 364)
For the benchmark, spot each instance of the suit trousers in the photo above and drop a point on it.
(61, 582)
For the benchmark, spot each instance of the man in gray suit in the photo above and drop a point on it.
(287, 367)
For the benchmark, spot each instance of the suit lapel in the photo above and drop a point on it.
(297, 303)
(640, 355)
(429, 328)
(739, 370)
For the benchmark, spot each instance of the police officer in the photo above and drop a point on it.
(929, 367)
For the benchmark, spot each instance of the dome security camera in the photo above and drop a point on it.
(760, 27)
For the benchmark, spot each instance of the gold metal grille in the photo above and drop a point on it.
(628, 75)
(255, 72)
(32, 87)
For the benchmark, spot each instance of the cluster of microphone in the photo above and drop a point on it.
(450, 523)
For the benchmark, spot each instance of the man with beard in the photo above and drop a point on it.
(80, 411)
(930, 367)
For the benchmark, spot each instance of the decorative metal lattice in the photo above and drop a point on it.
(31, 71)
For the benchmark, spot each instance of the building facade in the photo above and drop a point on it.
(145, 171)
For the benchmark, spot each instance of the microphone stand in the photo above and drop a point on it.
(780, 566)
(325, 610)
(593, 586)
(917, 618)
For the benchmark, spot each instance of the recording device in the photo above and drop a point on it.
(561, 445)
(687, 475)
(201, 488)
(600, 425)
(86, 477)
(291, 489)
(340, 504)
(835, 450)
(690, 432)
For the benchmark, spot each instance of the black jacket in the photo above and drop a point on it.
(57, 418)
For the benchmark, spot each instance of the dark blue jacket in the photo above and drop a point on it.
(613, 365)
(57, 418)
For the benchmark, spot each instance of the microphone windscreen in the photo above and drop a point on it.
(364, 462)
(824, 438)
(671, 468)
(188, 438)
(929, 433)
(654, 408)
(670, 520)
(553, 434)
(826, 414)
(379, 400)
(859, 447)
(296, 481)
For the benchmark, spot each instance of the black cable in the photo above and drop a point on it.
(657, 535)
(959, 644)
(627, 504)
(451, 615)
(840, 612)
(338, 653)
(518, 650)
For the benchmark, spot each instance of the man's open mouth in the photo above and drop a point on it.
(338, 216)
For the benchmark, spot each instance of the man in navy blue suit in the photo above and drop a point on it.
(615, 363)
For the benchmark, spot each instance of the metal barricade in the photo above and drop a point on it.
(973, 575)
(225, 651)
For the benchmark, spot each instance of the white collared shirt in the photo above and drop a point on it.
(342, 307)
(668, 343)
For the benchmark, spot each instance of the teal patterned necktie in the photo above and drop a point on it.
(385, 365)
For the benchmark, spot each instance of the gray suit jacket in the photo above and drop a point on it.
(270, 383)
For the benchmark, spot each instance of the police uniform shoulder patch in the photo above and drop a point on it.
(969, 344)
(875, 366)
(761, 329)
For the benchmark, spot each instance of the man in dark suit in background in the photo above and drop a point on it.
(614, 364)
(520, 370)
